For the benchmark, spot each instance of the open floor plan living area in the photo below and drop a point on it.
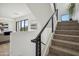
(39, 29)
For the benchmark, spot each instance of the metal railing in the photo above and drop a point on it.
(37, 40)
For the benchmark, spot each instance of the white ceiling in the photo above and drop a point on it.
(13, 10)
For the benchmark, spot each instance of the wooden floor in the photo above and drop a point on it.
(4, 49)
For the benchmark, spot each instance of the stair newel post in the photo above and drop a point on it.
(38, 46)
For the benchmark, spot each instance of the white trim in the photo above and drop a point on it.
(47, 46)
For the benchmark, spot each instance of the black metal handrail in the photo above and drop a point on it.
(37, 40)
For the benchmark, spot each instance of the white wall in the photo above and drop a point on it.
(62, 9)
(17, 11)
(21, 41)
(42, 12)
(46, 38)
(76, 12)
(10, 22)
(31, 19)
(54, 22)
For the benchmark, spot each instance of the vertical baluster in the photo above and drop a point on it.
(52, 24)
(57, 14)
(16, 26)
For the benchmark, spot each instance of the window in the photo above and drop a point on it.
(22, 25)
(65, 18)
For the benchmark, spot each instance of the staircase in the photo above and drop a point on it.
(66, 40)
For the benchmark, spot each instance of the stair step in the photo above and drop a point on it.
(62, 51)
(51, 54)
(72, 38)
(65, 40)
(66, 44)
(68, 32)
(67, 28)
(68, 23)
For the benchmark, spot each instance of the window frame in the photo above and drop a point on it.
(20, 23)
(64, 15)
